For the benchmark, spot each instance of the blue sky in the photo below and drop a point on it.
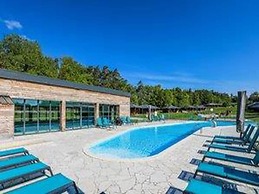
(186, 43)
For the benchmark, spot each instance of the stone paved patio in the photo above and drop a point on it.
(66, 152)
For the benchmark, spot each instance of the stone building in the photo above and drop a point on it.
(36, 104)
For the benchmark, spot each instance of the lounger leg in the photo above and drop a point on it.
(195, 174)
(202, 160)
(208, 149)
(213, 139)
(51, 173)
(76, 189)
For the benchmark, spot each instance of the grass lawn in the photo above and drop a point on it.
(254, 116)
(218, 110)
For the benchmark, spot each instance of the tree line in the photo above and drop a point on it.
(20, 54)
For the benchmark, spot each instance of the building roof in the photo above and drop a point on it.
(191, 106)
(18, 76)
(200, 106)
(134, 106)
(255, 105)
(147, 106)
(214, 104)
(172, 107)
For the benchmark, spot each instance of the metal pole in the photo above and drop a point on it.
(240, 118)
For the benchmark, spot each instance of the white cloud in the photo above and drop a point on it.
(12, 24)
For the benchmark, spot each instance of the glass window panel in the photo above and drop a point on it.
(76, 121)
(85, 122)
(84, 109)
(76, 112)
(18, 129)
(88, 115)
(105, 108)
(18, 101)
(85, 114)
(69, 104)
(31, 105)
(18, 122)
(31, 127)
(18, 116)
(55, 103)
(55, 116)
(69, 116)
(91, 109)
(18, 108)
(44, 118)
(44, 115)
(44, 103)
(55, 124)
(76, 124)
(31, 122)
(44, 126)
(31, 116)
(55, 108)
(91, 121)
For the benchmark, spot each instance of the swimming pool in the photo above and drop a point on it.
(147, 141)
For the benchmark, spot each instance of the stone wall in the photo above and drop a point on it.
(17, 89)
(27, 90)
(6, 120)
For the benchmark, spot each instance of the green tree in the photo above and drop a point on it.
(73, 71)
(254, 97)
(20, 54)
(195, 98)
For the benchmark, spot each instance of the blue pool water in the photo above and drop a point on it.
(148, 141)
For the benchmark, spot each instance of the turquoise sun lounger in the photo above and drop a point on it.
(235, 159)
(123, 120)
(55, 184)
(128, 120)
(228, 173)
(13, 152)
(20, 172)
(107, 123)
(200, 187)
(237, 138)
(235, 148)
(7, 163)
(99, 122)
(243, 140)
